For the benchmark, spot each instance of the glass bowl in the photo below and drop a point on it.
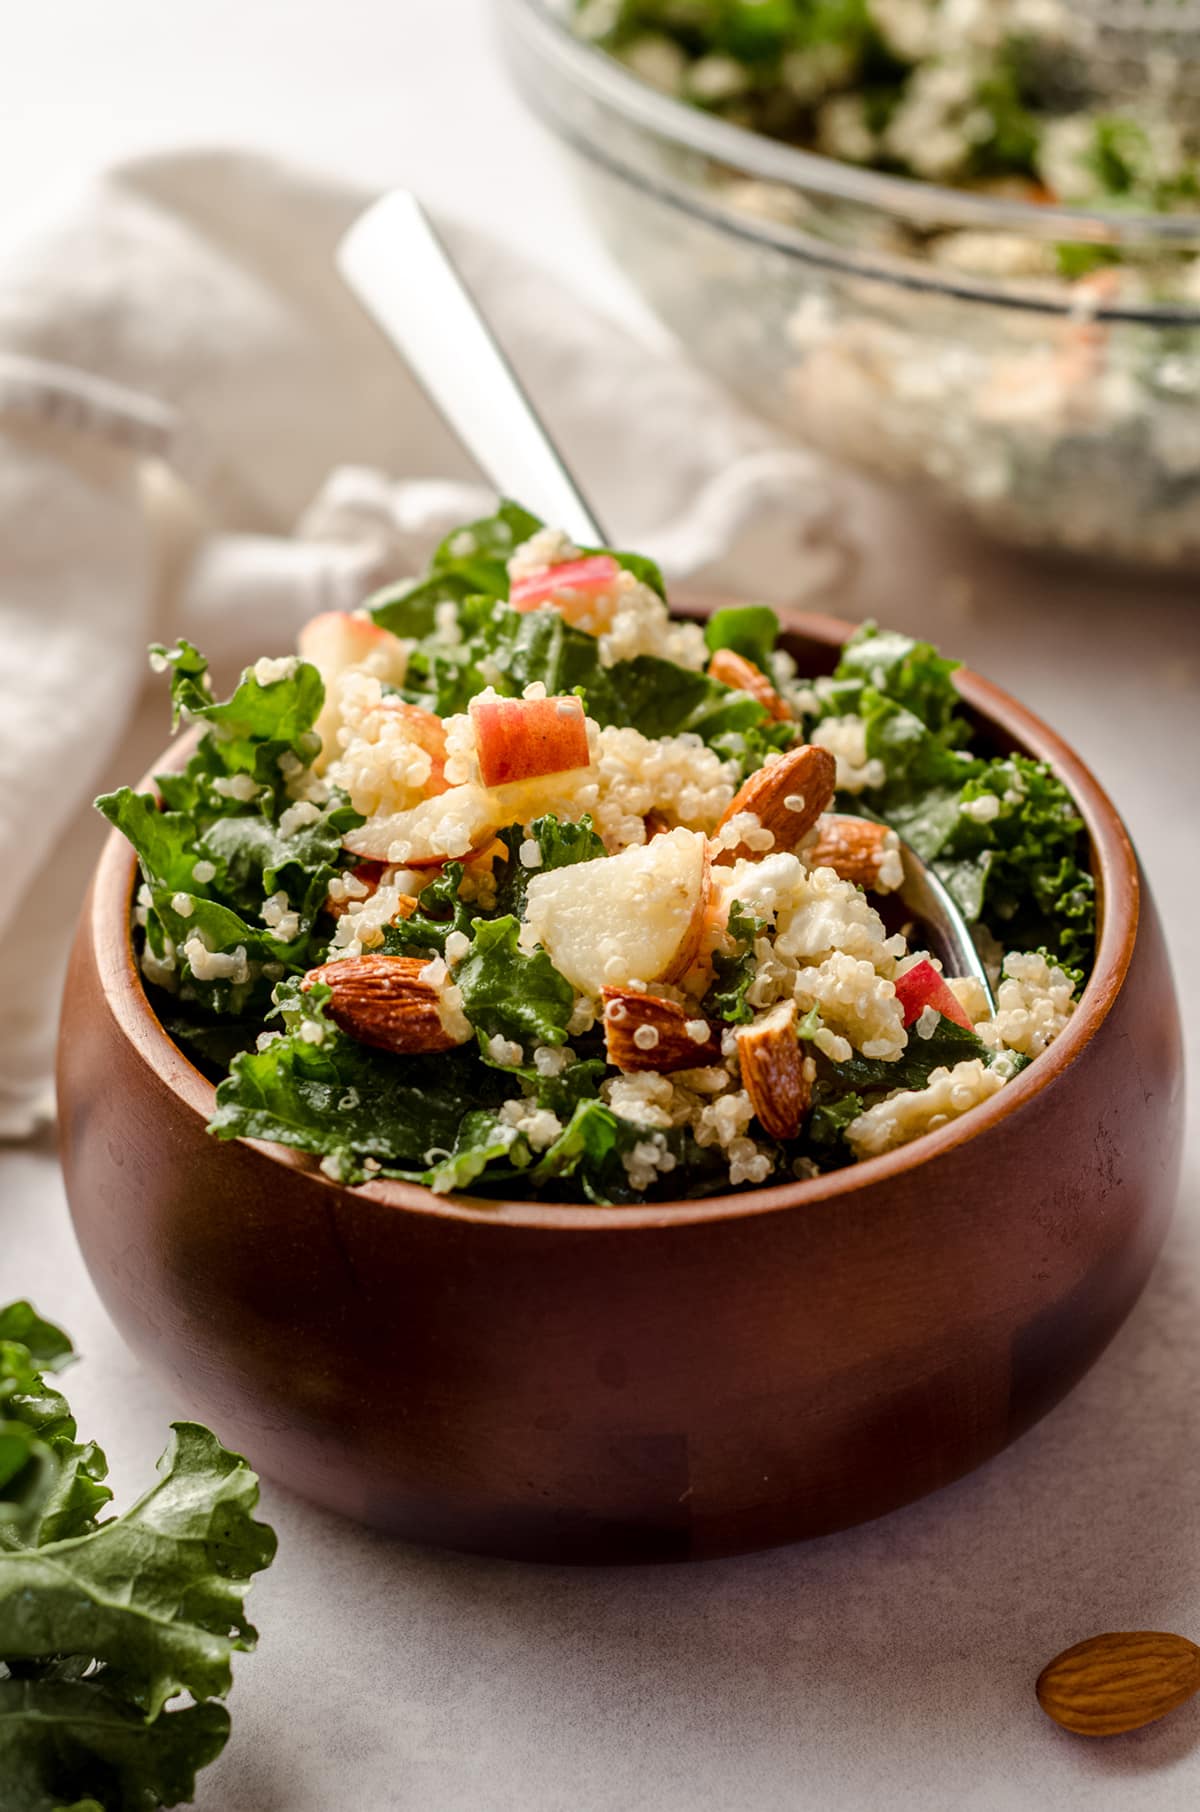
(922, 334)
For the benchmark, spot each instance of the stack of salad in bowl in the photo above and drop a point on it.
(513, 882)
(953, 244)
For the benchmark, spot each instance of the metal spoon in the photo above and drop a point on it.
(926, 896)
(396, 265)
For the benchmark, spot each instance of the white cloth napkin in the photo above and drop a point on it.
(200, 434)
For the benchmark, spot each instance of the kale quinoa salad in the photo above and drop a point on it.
(512, 882)
(990, 95)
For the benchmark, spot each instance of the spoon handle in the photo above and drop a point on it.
(394, 262)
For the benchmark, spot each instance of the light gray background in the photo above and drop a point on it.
(892, 1666)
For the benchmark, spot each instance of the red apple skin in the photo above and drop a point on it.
(521, 738)
(921, 987)
(596, 573)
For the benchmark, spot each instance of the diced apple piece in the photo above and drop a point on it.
(570, 584)
(636, 916)
(453, 827)
(338, 640)
(522, 738)
(428, 731)
(921, 987)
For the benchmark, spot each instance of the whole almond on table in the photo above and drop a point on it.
(642, 1032)
(787, 797)
(1118, 1682)
(736, 671)
(389, 1002)
(855, 848)
(773, 1073)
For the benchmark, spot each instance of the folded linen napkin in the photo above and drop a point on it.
(200, 434)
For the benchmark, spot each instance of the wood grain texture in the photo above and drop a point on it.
(653, 1383)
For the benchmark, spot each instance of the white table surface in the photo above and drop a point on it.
(888, 1667)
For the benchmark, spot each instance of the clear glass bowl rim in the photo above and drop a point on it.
(543, 26)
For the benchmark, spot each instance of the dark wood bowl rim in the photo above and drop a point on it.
(1118, 890)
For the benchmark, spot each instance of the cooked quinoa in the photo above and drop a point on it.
(992, 95)
(510, 882)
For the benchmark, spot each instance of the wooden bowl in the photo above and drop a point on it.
(650, 1383)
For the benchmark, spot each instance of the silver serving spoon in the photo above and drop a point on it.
(396, 265)
(926, 896)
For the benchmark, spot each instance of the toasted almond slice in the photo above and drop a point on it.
(773, 1071)
(390, 1002)
(787, 797)
(858, 850)
(736, 671)
(642, 1032)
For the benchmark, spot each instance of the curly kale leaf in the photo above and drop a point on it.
(734, 969)
(313, 1088)
(1003, 833)
(104, 1623)
(509, 994)
(560, 844)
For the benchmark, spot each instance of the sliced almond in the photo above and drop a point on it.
(858, 850)
(389, 1002)
(642, 1032)
(787, 797)
(736, 671)
(773, 1072)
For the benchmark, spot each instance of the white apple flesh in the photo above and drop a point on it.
(639, 916)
